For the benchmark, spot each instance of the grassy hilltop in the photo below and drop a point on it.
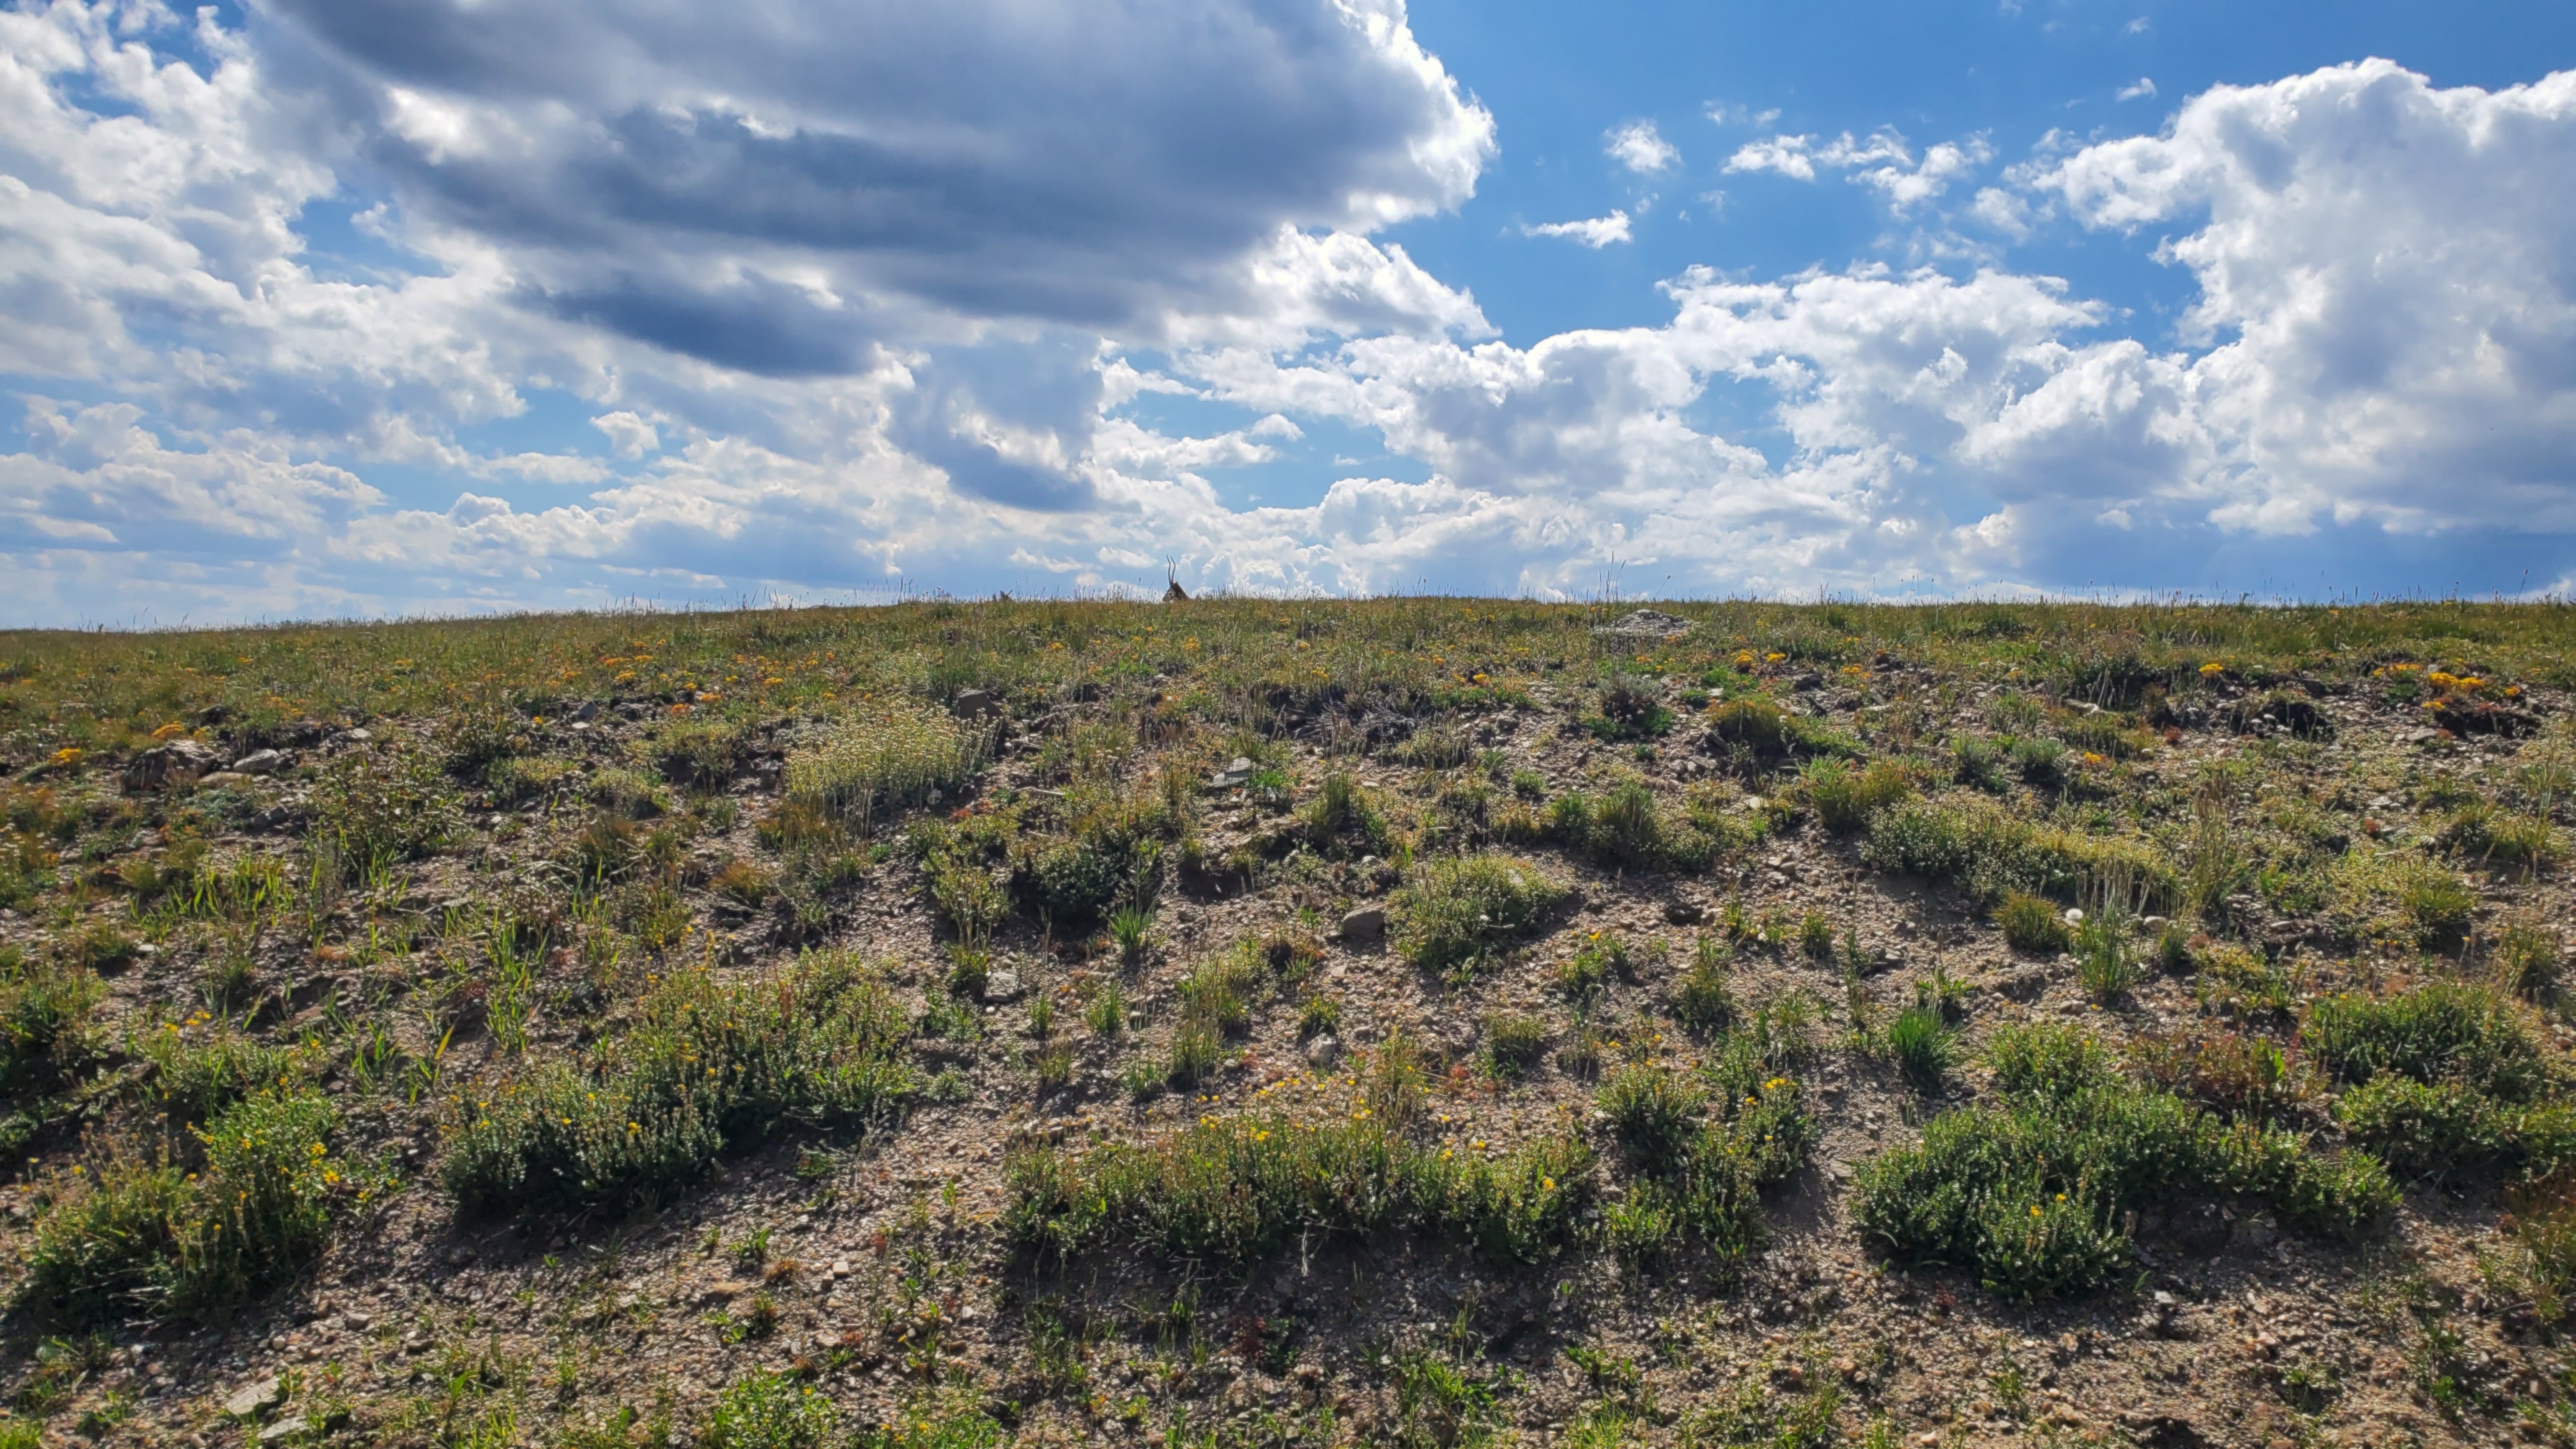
(1424, 1022)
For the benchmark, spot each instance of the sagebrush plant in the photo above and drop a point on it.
(708, 1067)
(897, 755)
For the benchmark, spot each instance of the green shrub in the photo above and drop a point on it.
(2234, 1073)
(46, 1011)
(1626, 826)
(877, 765)
(2448, 1031)
(1755, 722)
(1240, 1190)
(2032, 924)
(2028, 1193)
(1974, 841)
(772, 1411)
(1629, 707)
(1453, 916)
(708, 1067)
(471, 741)
(2418, 1129)
(145, 1237)
(1845, 798)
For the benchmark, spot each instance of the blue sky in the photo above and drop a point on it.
(359, 307)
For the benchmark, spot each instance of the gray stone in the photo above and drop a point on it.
(1235, 773)
(260, 762)
(1323, 1051)
(255, 1398)
(1368, 923)
(179, 762)
(1002, 983)
(355, 737)
(976, 704)
(224, 777)
(283, 1430)
(1648, 624)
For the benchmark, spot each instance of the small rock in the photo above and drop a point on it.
(255, 1398)
(1649, 623)
(224, 777)
(976, 704)
(1237, 772)
(260, 762)
(1368, 923)
(840, 1267)
(355, 737)
(1684, 913)
(1003, 984)
(283, 1429)
(179, 762)
(1323, 1051)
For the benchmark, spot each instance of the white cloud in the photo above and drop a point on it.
(1882, 160)
(1641, 148)
(1596, 232)
(1723, 114)
(629, 435)
(2145, 87)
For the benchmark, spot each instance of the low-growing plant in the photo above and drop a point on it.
(2527, 961)
(1320, 1016)
(1625, 826)
(2032, 924)
(1705, 1000)
(139, 1235)
(2050, 1061)
(47, 1009)
(1919, 1042)
(2236, 1073)
(372, 810)
(1454, 916)
(1238, 1190)
(772, 1411)
(703, 753)
(708, 1067)
(2447, 1031)
(197, 1073)
(2419, 1129)
(1106, 1012)
(876, 765)
(1845, 798)
(2028, 1192)
(1514, 1042)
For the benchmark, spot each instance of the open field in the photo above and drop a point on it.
(1233, 1022)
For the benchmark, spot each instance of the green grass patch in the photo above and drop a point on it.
(2448, 1031)
(709, 1067)
(1240, 1190)
(876, 765)
(1455, 916)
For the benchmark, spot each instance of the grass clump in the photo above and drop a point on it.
(46, 1013)
(2031, 924)
(704, 754)
(1626, 826)
(1242, 1189)
(772, 1411)
(148, 1237)
(1704, 1149)
(879, 764)
(2419, 1128)
(1993, 853)
(2449, 1031)
(1455, 915)
(2028, 1192)
(1918, 1041)
(1705, 1000)
(1845, 798)
(197, 1075)
(709, 1067)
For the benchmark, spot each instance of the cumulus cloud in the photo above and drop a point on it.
(1882, 160)
(2143, 89)
(768, 310)
(1641, 148)
(1595, 232)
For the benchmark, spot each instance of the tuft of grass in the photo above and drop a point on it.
(1513, 1042)
(709, 1067)
(1242, 1189)
(1321, 1015)
(1454, 916)
(197, 1074)
(47, 1011)
(877, 765)
(1106, 1012)
(772, 1411)
(2527, 961)
(1845, 798)
(701, 753)
(2436, 906)
(2047, 1061)
(1705, 1000)
(2449, 1031)
(1625, 826)
(2032, 924)
(1654, 1112)
(1919, 1042)
(141, 1236)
